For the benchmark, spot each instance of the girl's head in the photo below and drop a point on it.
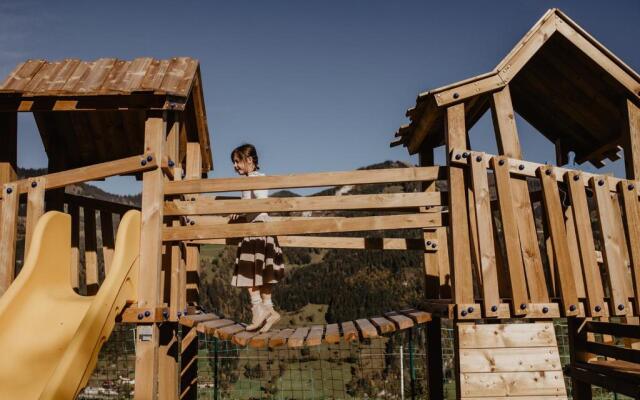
(245, 159)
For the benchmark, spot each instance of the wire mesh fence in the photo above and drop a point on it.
(391, 367)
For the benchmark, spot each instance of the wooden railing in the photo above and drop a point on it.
(394, 210)
(537, 255)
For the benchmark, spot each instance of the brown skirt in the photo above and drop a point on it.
(259, 261)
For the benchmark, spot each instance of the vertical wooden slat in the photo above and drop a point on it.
(510, 231)
(486, 243)
(574, 253)
(147, 336)
(629, 194)
(455, 136)
(618, 227)
(586, 246)
(35, 208)
(90, 250)
(612, 246)
(504, 123)
(193, 171)
(632, 149)
(558, 233)
(108, 243)
(74, 211)
(8, 234)
(430, 258)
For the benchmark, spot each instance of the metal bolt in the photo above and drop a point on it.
(149, 158)
(433, 245)
(479, 158)
(140, 316)
(523, 306)
(572, 307)
(521, 167)
(171, 163)
(576, 177)
(620, 307)
(470, 310)
(501, 162)
(143, 162)
(179, 314)
(428, 242)
(185, 311)
(597, 308)
(147, 313)
(600, 182)
(34, 184)
(192, 222)
(165, 314)
(465, 155)
(463, 313)
(9, 190)
(458, 156)
(631, 186)
(548, 172)
(456, 95)
(545, 310)
(494, 308)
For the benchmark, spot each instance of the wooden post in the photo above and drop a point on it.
(434, 359)
(74, 210)
(577, 340)
(35, 208)
(189, 373)
(632, 148)
(455, 137)
(108, 242)
(147, 335)
(430, 258)
(91, 251)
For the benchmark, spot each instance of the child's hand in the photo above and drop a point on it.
(234, 217)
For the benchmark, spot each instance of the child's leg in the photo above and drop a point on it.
(258, 312)
(272, 315)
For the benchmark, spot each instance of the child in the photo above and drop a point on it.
(259, 262)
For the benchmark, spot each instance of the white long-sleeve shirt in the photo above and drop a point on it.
(257, 194)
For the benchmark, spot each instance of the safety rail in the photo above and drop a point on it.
(409, 210)
(521, 270)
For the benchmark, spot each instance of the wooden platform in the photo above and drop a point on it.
(503, 360)
(364, 328)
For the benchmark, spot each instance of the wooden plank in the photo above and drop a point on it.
(90, 251)
(632, 148)
(276, 228)
(342, 242)
(191, 321)
(20, 77)
(629, 195)
(401, 321)
(149, 280)
(512, 384)
(455, 137)
(486, 243)
(298, 337)
(430, 259)
(314, 338)
(35, 209)
(366, 328)
(175, 257)
(261, 340)
(574, 252)
(243, 338)
(205, 205)
(419, 317)
(611, 328)
(612, 351)
(210, 327)
(332, 334)
(8, 235)
(227, 332)
(618, 226)
(108, 242)
(508, 359)
(280, 339)
(510, 233)
(383, 325)
(340, 178)
(349, 331)
(558, 233)
(612, 247)
(586, 246)
(488, 336)
(193, 170)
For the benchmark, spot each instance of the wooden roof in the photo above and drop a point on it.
(562, 81)
(109, 99)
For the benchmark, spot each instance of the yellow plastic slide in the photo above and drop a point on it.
(50, 336)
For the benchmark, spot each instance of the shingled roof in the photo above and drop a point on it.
(562, 81)
(109, 99)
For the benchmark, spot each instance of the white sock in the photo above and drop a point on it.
(255, 298)
(267, 302)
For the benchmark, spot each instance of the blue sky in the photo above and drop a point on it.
(316, 86)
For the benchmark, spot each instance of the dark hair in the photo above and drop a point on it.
(244, 151)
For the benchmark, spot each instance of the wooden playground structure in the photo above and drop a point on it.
(509, 245)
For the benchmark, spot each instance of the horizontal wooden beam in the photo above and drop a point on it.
(141, 101)
(318, 179)
(204, 205)
(97, 204)
(528, 168)
(614, 329)
(340, 242)
(93, 172)
(355, 224)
